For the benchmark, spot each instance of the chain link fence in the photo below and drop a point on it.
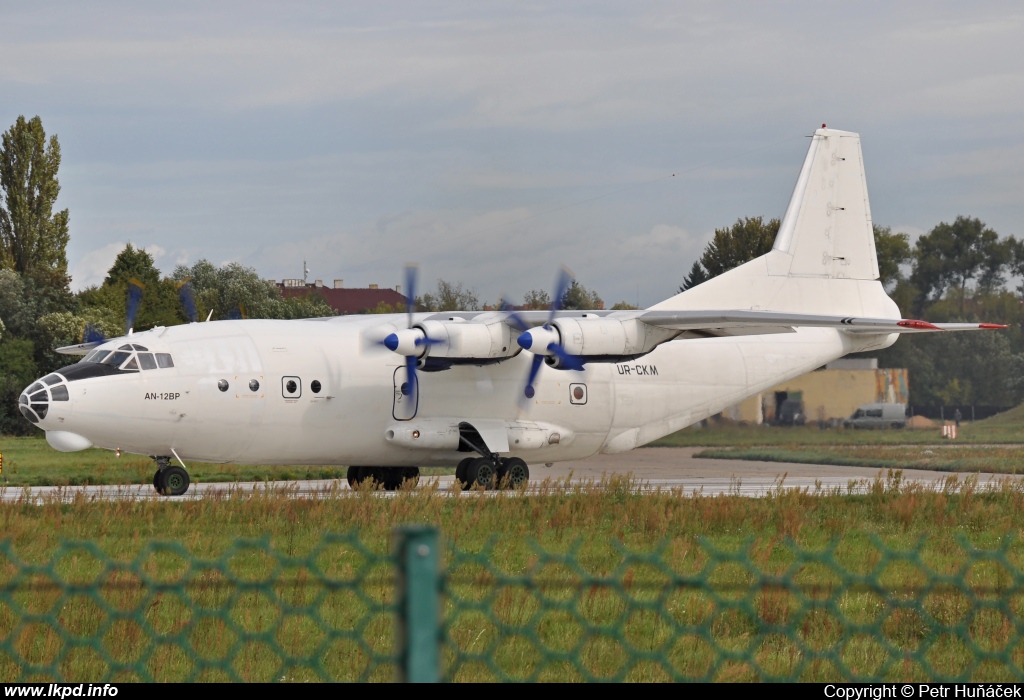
(685, 610)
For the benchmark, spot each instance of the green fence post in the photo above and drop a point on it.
(418, 550)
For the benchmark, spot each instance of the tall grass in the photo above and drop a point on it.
(578, 581)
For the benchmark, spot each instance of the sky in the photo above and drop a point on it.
(493, 142)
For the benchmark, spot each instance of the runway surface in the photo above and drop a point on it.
(653, 468)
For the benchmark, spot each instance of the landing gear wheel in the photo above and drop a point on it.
(174, 481)
(410, 476)
(481, 473)
(156, 480)
(513, 474)
(461, 472)
(353, 477)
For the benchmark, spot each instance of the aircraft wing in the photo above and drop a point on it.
(723, 323)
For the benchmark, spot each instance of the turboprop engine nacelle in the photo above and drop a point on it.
(455, 338)
(595, 337)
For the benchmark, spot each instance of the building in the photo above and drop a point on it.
(830, 393)
(345, 300)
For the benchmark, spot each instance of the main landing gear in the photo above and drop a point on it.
(170, 479)
(389, 478)
(492, 472)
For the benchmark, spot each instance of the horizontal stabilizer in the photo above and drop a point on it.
(80, 349)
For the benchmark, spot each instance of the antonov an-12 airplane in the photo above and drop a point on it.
(490, 391)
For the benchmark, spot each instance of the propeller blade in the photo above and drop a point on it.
(411, 273)
(565, 359)
(562, 283)
(188, 300)
(411, 386)
(91, 334)
(134, 300)
(529, 391)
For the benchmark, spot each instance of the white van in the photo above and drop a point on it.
(878, 415)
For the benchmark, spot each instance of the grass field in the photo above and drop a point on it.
(513, 612)
(32, 462)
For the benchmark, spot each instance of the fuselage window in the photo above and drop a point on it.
(132, 365)
(147, 361)
(163, 360)
(314, 386)
(59, 393)
(254, 385)
(291, 386)
(222, 385)
(115, 358)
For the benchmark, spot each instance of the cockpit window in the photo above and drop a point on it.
(51, 379)
(127, 358)
(115, 358)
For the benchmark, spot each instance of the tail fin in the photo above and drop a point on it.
(824, 258)
(827, 231)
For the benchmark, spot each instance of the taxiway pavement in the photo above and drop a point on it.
(666, 468)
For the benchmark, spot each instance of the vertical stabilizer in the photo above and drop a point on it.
(827, 231)
(824, 259)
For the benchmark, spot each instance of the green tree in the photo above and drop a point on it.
(578, 297)
(748, 238)
(892, 250)
(958, 256)
(33, 239)
(19, 369)
(236, 291)
(537, 299)
(158, 303)
(449, 296)
(696, 276)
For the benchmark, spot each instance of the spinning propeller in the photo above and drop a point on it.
(411, 342)
(544, 341)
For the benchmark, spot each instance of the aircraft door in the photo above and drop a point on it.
(406, 400)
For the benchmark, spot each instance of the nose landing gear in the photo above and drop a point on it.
(170, 479)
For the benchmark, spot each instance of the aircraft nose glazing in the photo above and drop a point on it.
(34, 402)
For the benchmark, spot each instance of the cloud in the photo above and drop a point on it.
(91, 268)
(494, 142)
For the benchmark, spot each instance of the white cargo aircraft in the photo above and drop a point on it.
(489, 391)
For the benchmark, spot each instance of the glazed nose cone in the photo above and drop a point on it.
(34, 402)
